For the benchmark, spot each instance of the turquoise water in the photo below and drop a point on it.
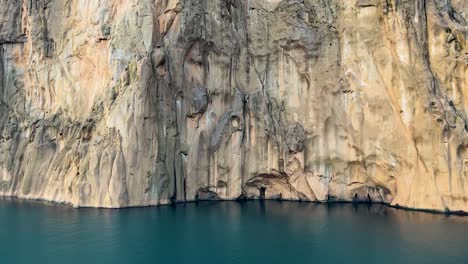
(229, 232)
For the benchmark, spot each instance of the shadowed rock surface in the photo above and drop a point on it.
(117, 103)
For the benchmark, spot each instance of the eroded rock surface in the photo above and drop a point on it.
(117, 103)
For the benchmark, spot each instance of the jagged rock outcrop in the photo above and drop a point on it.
(116, 103)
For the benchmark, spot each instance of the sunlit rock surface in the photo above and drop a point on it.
(117, 103)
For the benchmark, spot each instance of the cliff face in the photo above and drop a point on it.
(119, 103)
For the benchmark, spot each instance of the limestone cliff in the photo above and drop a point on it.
(116, 103)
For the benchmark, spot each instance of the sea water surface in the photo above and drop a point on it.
(229, 232)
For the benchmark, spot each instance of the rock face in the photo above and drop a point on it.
(116, 103)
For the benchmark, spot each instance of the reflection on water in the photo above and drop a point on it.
(229, 232)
